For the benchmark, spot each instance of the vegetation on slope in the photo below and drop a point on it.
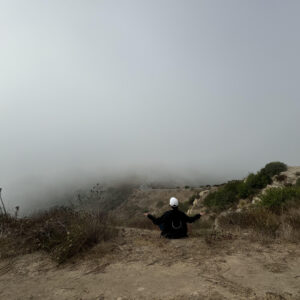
(276, 215)
(281, 199)
(231, 192)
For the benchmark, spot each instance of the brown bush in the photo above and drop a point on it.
(62, 232)
(290, 225)
(293, 218)
(259, 219)
(264, 223)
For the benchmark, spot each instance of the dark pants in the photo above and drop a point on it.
(171, 236)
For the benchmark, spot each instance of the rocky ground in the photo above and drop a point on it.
(141, 265)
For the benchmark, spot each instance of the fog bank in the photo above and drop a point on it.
(198, 92)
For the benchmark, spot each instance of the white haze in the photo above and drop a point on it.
(186, 91)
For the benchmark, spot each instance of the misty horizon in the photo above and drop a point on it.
(199, 92)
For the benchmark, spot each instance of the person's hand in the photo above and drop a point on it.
(146, 214)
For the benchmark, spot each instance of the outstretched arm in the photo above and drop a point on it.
(194, 218)
(155, 220)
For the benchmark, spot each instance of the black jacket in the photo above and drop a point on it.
(173, 223)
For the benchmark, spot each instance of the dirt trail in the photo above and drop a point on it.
(140, 265)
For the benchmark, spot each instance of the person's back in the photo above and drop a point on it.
(173, 222)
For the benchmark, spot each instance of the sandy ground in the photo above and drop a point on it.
(141, 265)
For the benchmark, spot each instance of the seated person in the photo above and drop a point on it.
(173, 222)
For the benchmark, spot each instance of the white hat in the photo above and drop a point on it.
(173, 202)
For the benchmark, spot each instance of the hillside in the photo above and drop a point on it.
(283, 179)
(246, 246)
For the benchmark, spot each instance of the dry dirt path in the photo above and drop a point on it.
(140, 265)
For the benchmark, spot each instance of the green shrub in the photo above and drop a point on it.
(225, 196)
(298, 182)
(231, 192)
(258, 181)
(244, 190)
(254, 183)
(279, 199)
(261, 179)
(274, 168)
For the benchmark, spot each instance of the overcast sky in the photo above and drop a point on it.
(207, 90)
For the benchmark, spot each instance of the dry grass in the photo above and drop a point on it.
(213, 236)
(290, 225)
(62, 232)
(262, 223)
(201, 228)
(261, 220)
